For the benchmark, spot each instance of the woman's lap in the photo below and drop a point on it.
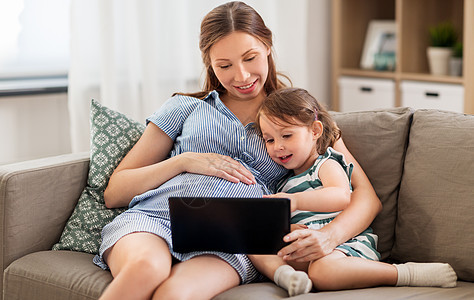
(143, 260)
(138, 247)
(205, 275)
(149, 212)
(133, 221)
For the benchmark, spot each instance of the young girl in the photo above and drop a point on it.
(299, 133)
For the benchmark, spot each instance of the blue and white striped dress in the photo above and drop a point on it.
(199, 126)
(365, 244)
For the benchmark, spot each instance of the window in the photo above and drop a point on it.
(35, 38)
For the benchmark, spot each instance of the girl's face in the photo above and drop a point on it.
(240, 62)
(292, 146)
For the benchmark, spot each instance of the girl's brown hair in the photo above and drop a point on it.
(297, 107)
(223, 20)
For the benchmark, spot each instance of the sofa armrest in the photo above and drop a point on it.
(36, 199)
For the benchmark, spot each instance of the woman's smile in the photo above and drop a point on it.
(245, 89)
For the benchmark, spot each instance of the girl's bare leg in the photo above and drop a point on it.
(283, 274)
(336, 271)
(139, 263)
(267, 264)
(201, 277)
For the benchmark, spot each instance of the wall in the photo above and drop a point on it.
(33, 127)
(319, 50)
(309, 28)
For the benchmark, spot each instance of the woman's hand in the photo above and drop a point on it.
(306, 245)
(217, 165)
(147, 166)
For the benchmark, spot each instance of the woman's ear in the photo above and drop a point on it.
(317, 129)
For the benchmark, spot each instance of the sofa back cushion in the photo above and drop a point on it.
(436, 201)
(378, 140)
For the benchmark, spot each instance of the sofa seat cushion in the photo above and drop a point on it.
(59, 275)
(436, 200)
(55, 275)
(268, 291)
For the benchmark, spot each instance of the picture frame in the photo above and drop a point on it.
(380, 40)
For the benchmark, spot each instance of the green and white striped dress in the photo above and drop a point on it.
(363, 245)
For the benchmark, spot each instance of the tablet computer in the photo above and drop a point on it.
(230, 225)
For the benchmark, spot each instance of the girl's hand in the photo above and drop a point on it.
(294, 227)
(294, 203)
(217, 165)
(306, 245)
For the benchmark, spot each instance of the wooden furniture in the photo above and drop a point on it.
(350, 19)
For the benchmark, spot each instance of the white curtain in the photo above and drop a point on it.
(132, 55)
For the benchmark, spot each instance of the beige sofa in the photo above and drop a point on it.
(421, 164)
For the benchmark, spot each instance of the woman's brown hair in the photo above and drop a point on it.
(297, 107)
(223, 20)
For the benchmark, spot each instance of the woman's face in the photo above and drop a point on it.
(240, 62)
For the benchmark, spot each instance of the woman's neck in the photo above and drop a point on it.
(244, 110)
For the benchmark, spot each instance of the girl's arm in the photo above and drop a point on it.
(335, 194)
(308, 245)
(145, 167)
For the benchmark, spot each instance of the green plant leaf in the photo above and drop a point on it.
(443, 35)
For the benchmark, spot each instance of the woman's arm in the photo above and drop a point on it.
(309, 244)
(141, 170)
(145, 167)
(364, 206)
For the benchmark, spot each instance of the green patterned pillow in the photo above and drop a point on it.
(112, 136)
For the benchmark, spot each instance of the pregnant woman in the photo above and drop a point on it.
(205, 144)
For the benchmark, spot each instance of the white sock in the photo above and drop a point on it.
(426, 274)
(295, 282)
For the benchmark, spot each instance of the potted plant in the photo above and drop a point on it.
(443, 37)
(455, 64)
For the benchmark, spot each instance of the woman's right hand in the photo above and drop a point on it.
(146, 167)
(217, 165)
(305, 245)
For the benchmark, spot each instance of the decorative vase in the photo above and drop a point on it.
(438, 60)
(455, 66)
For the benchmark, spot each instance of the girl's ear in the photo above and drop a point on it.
(317, 129)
